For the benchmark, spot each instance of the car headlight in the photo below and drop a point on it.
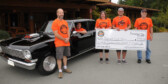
(27, 54)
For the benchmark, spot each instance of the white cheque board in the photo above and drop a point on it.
(121, 40)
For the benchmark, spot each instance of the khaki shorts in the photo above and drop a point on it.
(62, 51)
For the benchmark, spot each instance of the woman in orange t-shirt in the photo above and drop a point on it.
(103, 23)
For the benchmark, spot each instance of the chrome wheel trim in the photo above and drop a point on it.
(49, 63)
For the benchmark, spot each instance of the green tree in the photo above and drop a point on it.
(110, 13)
(4, 34)
(163, 18)
(131, 2)
(156, 4)
(96, 13)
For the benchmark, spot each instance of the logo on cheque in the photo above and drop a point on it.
(100, 33)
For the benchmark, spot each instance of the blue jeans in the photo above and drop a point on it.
(148, 52)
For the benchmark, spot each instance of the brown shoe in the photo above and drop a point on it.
(60, 75)
(67, 71)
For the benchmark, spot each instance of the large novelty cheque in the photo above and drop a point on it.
(121, 40)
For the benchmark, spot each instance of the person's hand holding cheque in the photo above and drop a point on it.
(126, 29)
(118, 29)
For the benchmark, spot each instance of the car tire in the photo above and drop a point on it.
(47, 65)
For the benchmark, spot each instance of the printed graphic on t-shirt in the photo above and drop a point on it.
(103, 24)
(63, 29)
(121, 23)
(143, 25)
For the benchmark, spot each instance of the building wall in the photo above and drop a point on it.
(31, 17)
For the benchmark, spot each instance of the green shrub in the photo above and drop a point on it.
(110, 13)
(155, 29)
(162, 29)
(96, 13)
(4, 34)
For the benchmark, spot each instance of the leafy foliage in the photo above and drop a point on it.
(96, 13)
(110, 13)
(162, 29)
(4, 34)
(156, 4)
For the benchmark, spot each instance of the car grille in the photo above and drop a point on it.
(13, 52)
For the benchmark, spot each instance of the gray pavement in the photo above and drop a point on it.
(87, 69)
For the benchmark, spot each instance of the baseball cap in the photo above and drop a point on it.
(143, 10)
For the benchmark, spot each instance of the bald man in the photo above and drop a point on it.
(62, 44)
(121, 22)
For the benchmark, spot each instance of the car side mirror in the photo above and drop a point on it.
(74, 32)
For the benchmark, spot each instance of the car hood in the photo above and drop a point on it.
(27, 41)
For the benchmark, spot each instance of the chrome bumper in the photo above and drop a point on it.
(29, 66)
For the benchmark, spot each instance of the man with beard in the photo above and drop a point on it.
(62, 44)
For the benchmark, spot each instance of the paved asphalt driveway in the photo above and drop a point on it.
(87, 70)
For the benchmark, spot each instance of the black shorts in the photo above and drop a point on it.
(101, 50)
(121, 50)
(62, 51)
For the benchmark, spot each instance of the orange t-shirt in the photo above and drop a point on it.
(61, 26)
(103, 23)
(144, 24)
(81, 29)
(121, 22)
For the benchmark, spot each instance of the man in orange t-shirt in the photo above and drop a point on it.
(145, 23)
(78, 29)
(103, 23)
(124, 23)
(62, 44)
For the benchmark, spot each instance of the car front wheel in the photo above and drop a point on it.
(47, 65)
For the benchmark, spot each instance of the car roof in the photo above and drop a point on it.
(77, 20)
(80, 20)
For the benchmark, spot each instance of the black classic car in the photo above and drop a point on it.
(37, 50)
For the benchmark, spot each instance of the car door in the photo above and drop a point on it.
(80, 42)
(91, 26)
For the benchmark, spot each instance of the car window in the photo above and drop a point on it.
(91, 25)
(70, 25)
(83, 25)
(49, 29)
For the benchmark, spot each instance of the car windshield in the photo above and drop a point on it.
(49, 30)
